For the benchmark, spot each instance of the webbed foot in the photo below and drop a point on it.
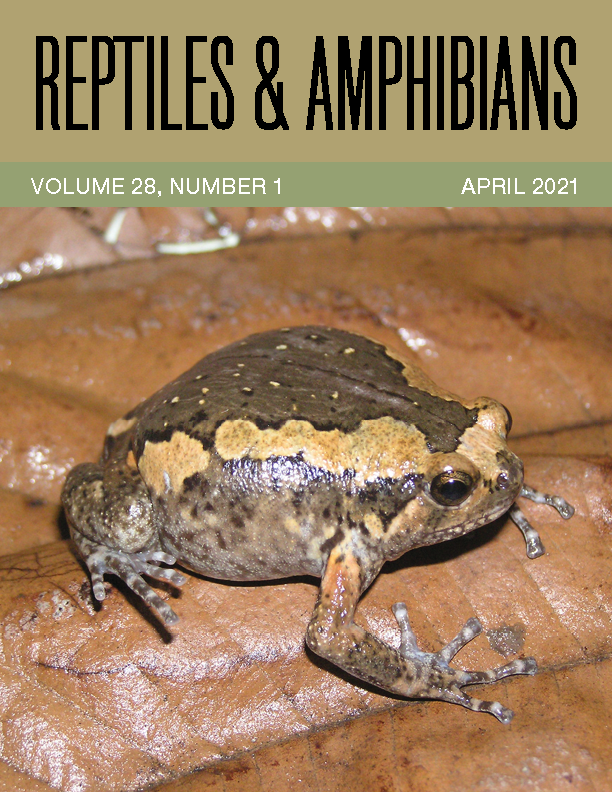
(437, 680)
(535, 548)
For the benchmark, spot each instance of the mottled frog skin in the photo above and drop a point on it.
(305, 450)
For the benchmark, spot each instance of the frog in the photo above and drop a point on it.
(305, 450)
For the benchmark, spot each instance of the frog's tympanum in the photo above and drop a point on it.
(304, 451)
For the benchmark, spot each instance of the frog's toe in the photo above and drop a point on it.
(456, 696)
(467, 633)
(533, 543)
(525, 666)
(409, 641)
(139, 561)
(155, 555)
(565, 509)
(96, 573)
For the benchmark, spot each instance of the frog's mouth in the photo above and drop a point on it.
(480, 518)
(500, 510)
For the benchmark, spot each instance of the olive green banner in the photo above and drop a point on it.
(312, 184)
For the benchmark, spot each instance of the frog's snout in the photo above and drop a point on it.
(510, 477)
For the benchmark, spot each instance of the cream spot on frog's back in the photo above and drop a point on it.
(171, 462)
(381, 448)
(120, 426)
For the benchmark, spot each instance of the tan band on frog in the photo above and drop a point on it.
(416, 378)
(381, 448)
(167, 464)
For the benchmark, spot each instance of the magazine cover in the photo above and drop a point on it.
(305, 397)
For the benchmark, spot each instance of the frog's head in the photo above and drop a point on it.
(464, 489)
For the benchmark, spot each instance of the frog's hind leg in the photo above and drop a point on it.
(112, 528)
(407, 671)
(535, 548)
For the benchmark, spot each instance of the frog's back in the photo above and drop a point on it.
(329, 378)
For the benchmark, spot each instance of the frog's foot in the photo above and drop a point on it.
(534, 544)
(437, 680)
(130, 567)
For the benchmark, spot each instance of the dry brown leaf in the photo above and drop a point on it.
(103, 698)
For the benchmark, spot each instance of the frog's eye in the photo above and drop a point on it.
(508, 420)
(451, 487)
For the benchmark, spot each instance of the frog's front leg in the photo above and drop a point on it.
(111, 524)
(535, 548)
(409, 672)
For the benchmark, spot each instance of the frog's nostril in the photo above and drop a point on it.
(503, 480)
